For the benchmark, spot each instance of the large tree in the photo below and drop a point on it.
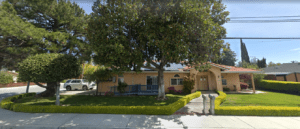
(29, 27)
(50, 69)
(125, 34)
(262, 63)
(228, 57)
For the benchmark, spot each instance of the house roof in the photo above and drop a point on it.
(285, 68)
(225, 68)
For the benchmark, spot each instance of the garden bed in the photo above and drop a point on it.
(95, 104)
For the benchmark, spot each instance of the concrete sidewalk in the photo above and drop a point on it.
(17, 120)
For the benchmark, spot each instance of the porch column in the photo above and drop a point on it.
(253, 85)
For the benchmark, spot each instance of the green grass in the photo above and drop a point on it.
(85, 100)
(263, 99)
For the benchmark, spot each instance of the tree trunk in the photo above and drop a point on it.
(161, 85)
(27, 89)
(57, 94)
(50, 90)
(97, 88)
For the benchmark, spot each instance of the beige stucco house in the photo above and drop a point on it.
(217, 77)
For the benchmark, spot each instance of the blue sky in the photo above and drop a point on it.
(282, 51)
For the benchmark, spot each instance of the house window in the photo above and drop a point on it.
(176, 81)
(152, 80)
(176, 75)
(120, 78)
(224, 82)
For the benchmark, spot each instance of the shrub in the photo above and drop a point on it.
(149, 110)
(172, 90)
(280, 86)
(226, 89)
(109, 93)
(179, 91)
(244, 85)
(121, 87)
(188, 85)
(5, 78)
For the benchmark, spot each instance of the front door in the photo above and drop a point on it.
(203, 83)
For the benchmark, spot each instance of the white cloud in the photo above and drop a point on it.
(296, 49)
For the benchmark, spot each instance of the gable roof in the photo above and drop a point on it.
(285, 68)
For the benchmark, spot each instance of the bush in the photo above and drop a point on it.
(109, 93)
(171, 90)
(226, 89)
(280, 86)
(244, 85)
(5, 78)
(64, 81)
(121, 87)
(188, 85)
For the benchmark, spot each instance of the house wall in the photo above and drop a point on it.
(280, 78)
(141, 78)
(298, 77)
(232, 79)
(291, 77)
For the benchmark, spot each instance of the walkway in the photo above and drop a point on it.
(195, 106)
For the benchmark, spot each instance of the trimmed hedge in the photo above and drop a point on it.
(7, 103)
(149, 110)
(253, 110)
(280, 86)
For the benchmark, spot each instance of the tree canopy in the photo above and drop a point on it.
(125, 34)
(30, 27)
(228, 57)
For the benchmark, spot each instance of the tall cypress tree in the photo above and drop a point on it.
(245, 56)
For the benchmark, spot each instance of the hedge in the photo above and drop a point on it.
(280, 86)
(253, 110)
(148, 110)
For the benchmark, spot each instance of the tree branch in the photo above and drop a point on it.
(40, 85)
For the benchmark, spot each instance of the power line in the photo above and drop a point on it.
(261, 17)
(263, 21)
(261, 38)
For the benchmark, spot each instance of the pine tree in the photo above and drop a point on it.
(49, 26)
(229, 57)
(244, 53)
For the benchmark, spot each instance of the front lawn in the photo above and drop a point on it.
(85, 100)
(263, 99)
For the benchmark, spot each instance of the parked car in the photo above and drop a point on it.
(77, 84)
(92, 85)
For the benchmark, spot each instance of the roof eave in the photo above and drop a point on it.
(242, 72)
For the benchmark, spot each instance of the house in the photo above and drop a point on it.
(217, 77)
(284, 72)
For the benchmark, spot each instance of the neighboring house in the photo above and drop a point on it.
(217, 77)
(284, 72)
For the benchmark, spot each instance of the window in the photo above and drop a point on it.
(176, 81)
(176, 75)
(68, 81)
(84, 81)
(75, 81)
(152, 80)
(120, 78)
(224, 82)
